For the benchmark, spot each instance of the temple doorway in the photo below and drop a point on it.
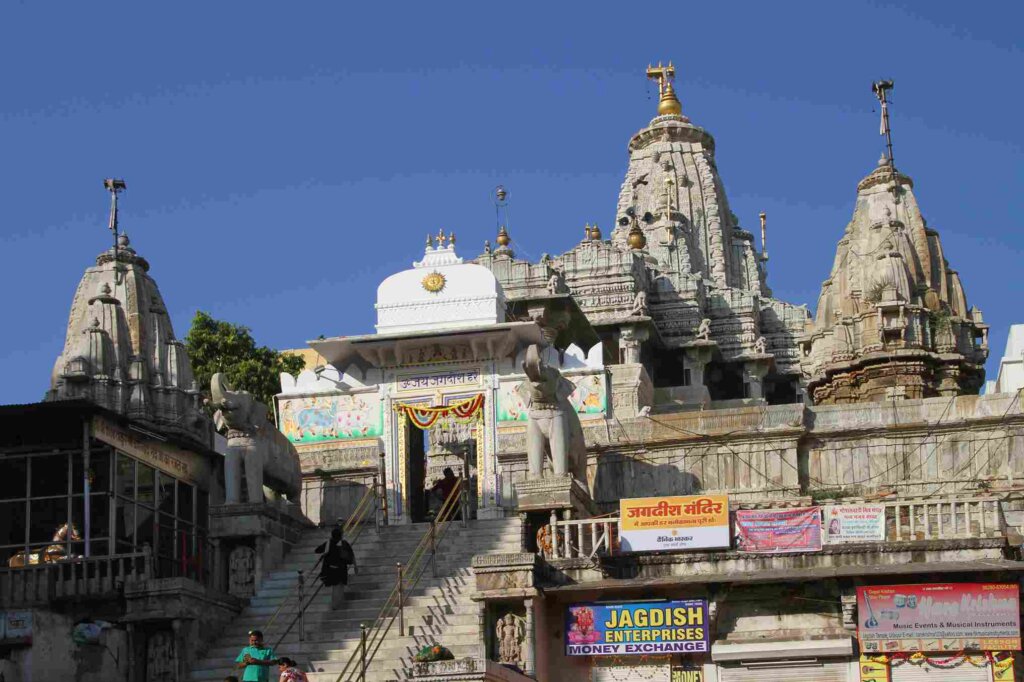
(417, 454)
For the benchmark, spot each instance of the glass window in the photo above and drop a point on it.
(124, 525)
(99, 518)
(166, 493)
(99, 471)
(125, 475)
(46, 518)
(146, 491)
(143, 526)
(202, 508)
(12, 523)
(13, 477)
(168, 544)
(49, 475)
(185, 502)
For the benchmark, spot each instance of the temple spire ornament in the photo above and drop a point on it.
(115, 186)
(668, 103)
(881, 89)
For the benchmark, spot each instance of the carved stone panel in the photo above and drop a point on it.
(160, 657)
(242, 571)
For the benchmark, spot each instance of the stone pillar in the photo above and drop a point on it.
(754, 373)
(176, 646)
(630, 339)
(529, 643)
(260, 545)
(698, 355)
(133, 675)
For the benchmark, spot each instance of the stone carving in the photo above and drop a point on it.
(242, 571)
(703, 332)
(509, 632)
(269, 458)
(553, 427)
(639, 303)
(760, 346)
(160, 657)
(553, 284)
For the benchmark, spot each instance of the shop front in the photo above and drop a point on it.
(941, 632)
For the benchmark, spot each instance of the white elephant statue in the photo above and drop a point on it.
(553, 426)
(270, 459)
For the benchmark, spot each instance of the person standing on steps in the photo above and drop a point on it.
(256, 659)
(290, 671)
(338, 555)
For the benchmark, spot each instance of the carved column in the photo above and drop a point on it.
(698, 355)
(529, 643)
(755, 371)
(630, 339)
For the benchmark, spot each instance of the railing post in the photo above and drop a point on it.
(464, 501)
(383, 489)
(433, 550)
(302, 608)
(362, 652)
(376, 503)
(401, 602)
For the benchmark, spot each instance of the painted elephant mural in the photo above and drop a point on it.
(268, 457)
(553, 428)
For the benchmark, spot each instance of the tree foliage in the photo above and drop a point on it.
(217, 346)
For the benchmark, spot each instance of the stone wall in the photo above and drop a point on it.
(53, 654)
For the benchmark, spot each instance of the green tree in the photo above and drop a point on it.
(218, 346)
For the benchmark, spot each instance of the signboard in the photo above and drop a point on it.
(938, 617)
(687, 674)
(778, 530)
(452, 379)
(16, 627)
(874, 668)
(671, 523)
(854, 523)
(166, 457)
(638, 629)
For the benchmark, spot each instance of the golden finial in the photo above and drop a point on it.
(595, 233)
(636, 238)
(669, 103)
(503, 238)
(440, 238)
(430, 240)
(451, 238)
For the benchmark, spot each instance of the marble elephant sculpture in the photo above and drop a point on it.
(553, 427)
(269, 458)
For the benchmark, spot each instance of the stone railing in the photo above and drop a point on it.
(948, 518)
(72, 579)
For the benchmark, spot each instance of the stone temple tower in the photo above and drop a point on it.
(892, 318)
(120, 351)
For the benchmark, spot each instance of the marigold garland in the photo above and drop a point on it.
(425, 417)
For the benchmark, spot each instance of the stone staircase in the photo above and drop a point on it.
(436, 610)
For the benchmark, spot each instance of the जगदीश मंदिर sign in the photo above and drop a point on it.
(775, 531)
(949, 617)
(641, 628)
(671, 523)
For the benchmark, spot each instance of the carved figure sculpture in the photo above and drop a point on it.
(51, 553)
(553, 426)
(509, 632)
(268, 456)
(760, 345)
(639, 303)
(704, 330)
(553, 284)
(160, 657)
(242, 571)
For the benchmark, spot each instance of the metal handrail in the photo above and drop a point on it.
(408, 577)
(351, 530)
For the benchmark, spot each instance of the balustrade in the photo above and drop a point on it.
(76, 578)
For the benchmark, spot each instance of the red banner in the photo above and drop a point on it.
(775, 531)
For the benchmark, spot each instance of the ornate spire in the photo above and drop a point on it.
(668, 103)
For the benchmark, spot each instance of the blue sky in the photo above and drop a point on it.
(282, 159)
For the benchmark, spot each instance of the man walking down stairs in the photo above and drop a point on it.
(437, 609)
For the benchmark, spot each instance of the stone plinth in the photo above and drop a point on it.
(249, 540)
(468, 669)
(505, 574)
(632, 390)
(551, 493)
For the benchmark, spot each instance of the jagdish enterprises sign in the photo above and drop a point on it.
(639, 628)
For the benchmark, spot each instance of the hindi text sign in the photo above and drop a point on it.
(775, 531)
(673, 523)
(854, 523)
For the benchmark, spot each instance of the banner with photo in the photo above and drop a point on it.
(674, 523)
(854, 523)
(775, 531)
(938, 617)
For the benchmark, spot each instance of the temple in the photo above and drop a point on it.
(628, 461)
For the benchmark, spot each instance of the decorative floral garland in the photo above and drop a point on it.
(948, 663)
(425, 417)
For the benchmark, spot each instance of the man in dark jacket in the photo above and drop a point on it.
(338, 555)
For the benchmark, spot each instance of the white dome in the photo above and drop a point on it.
(440, 292)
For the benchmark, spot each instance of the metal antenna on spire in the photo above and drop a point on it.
(500, 198)
(881, 90)
(115, 187)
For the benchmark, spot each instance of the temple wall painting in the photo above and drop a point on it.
(320, 418)
(590, 398)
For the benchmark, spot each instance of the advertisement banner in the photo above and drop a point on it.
(874, 669)
(672, 523)
(938, 617)
(16, 627)
(778, 530)
(854, 523)
(687, 673)
(639, 629)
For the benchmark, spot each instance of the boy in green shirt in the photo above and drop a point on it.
(256, 659)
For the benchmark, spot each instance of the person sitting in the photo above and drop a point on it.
(290, 671)
(338, 555)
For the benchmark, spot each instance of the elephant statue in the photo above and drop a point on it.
(553, 426)
(270, 459)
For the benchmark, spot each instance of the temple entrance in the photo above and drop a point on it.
(458, 456)
(417, 454)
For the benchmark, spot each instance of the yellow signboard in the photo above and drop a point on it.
(874, 669)
(674, 523)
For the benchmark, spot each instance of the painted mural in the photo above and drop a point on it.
(316, 419)
(589, 398)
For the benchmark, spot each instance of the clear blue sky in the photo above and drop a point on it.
(283, 158)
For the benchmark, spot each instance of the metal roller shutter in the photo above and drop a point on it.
(785, 671)
(926, 673)
(631, 673)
